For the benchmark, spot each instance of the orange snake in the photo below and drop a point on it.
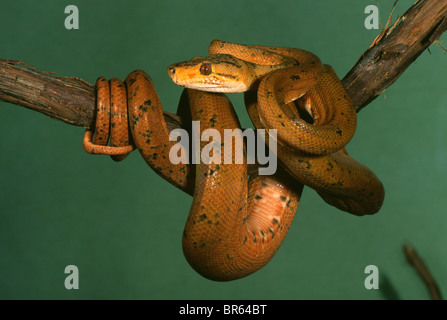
(235, 226)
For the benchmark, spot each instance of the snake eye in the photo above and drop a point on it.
(205, 69)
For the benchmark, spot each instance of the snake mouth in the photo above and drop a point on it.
(209, 83)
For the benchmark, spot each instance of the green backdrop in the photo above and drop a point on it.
(121, 225)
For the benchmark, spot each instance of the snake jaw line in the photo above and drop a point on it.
(209, 83)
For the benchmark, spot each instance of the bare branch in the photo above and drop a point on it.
(414, 259)
(395, 49)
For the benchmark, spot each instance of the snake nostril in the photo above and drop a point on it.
(171, 70)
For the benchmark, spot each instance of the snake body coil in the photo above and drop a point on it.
(235, 226)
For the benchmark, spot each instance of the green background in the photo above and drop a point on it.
(122, 225)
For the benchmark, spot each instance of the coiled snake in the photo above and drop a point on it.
(235, 225)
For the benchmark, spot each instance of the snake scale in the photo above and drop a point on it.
(238, 220)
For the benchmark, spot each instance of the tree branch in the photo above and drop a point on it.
(423, 271)
(72, 100)
(69, 99)
(393, 50)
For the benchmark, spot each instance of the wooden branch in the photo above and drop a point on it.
(414, 259)
(395, 49)
(72, 100)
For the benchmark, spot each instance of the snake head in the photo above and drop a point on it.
(216, 73)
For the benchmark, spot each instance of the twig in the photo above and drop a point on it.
(414, 259)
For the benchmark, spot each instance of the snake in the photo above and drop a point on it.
(239, 218)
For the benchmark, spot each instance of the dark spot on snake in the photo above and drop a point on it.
(232, 63)
(203, 245)
(264, 184)
(226, 75)
(282, 123)
(308, 164)
(155, 156)
(288, 203)
(271, 231)
(142, 108)
(229, 256)
(217, 223)
(295, 77)
(202, 217)
(213, 120)
(147, 134)
(339, 132)
(245, 240)
(159, 169)
(283, 198)
(210, 222)
(275, 221)
(258, 197)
